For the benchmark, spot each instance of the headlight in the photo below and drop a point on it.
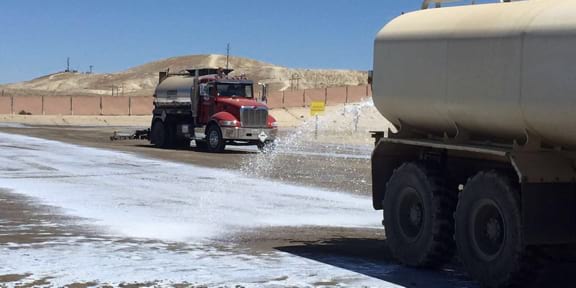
(228, 123)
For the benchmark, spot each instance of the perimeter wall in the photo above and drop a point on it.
(142, 105)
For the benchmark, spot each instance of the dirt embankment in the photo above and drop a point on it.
(141, 80)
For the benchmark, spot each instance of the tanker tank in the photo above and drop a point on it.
(483, 163)
(496, 70)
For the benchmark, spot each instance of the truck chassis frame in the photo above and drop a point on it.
(524, 196)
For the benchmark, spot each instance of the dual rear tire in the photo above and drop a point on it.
(489, 233)
(163, 135)
(160, 135)
(418, 225)
(426, 223)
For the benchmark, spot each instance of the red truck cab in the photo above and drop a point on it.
(212, 108)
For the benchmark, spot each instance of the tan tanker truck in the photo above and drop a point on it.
(484, 161)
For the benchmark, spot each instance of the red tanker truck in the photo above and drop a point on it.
(210, 107)
(482, 162)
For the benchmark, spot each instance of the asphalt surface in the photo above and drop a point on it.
(30, 223)
(340, 173)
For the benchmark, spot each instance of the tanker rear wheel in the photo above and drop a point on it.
(418, 216)
(489, 232)
(159, 135)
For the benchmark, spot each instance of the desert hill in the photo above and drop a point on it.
(141, 80)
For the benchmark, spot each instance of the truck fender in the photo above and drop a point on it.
(159, 116)
(386, 157)
(222, 116)
(270, 120)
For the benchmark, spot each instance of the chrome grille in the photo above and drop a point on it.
(254, 117)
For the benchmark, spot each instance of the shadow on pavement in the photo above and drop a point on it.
(372, 258)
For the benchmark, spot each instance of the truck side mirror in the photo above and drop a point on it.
(263, 92)
(203, 90)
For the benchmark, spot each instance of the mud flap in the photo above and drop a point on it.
(549, 213)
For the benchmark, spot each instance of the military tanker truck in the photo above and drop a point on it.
(483, 158)
(210, 107)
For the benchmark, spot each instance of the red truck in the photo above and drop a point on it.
(210, 107)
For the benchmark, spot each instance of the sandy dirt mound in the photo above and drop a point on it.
(141, 80)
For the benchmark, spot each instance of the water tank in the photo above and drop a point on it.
(503, 70)
(174, 90)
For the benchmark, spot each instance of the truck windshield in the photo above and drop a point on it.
(232, 89)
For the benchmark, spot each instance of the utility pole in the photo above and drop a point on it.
(295, 79)
(67, 64)
(90, 69)
(227, 54)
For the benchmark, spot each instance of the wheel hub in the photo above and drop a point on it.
(416, 215)
(213, 138)
(410, 214)
(493, 229)
(487, 229)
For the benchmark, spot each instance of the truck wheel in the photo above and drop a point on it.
(214, 140)
(489, 232)
(418, 216)
(158, 135)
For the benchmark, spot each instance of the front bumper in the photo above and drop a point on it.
(249, 134)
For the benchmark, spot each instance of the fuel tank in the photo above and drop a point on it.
(502, 71)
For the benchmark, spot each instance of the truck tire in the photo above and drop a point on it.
(159, 135)
(488, 232)
(418, 216)
(214, 141)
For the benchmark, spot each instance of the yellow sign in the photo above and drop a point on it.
(317, 108)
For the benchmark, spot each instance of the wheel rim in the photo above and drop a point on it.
(487, 229)
(410, 214)
(214, 138)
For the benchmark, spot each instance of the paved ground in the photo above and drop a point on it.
(347, 168)
(78, 216)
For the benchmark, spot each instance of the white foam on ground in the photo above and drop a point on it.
(117, 263)
(146, 198)
(13, 125)
(129, 196)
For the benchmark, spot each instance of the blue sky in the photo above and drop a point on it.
(37, 36)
